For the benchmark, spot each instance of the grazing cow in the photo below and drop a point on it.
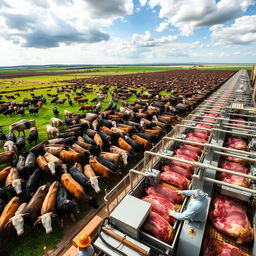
(65, 204)
(33, 111)
(87, 107)
(13, 182)
(33, 135)
(22, 125)
(10, 146)
(8, 112)
(21, 111)
(68, 114)
(90, 174)
(75, 189)
(56, 122)
(48, 207)
(55, 111)
(60, 102)
(51, 131)
(8, 212)
(54, 100)
(39, 104)
(82, 101)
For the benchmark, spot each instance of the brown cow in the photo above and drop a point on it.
(8, 212)
(99, 168)
(98, 140)
(138, 139)
(48, 207)
(87, 107)
(7, 157)
(73, 157)
(3, 174)
(13, 181)
(42, 163)
(124, 145)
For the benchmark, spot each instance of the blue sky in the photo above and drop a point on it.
(127, 31)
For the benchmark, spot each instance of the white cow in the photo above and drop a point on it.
(51, 131)
(10, 146)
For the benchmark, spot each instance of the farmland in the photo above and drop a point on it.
(172, 82)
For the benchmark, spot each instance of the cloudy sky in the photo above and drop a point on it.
(127, 31)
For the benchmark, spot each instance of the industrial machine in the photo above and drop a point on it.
(227, 114)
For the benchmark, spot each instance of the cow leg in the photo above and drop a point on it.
(72, 216)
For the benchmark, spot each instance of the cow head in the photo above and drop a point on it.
(52, 167)
(125, 158)
(46, 220)
(18, 223)
(95, 184)
(16, 184)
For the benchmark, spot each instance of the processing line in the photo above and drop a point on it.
(225, 119)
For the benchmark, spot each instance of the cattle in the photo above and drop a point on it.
(60, 102)
(33, 111)
(21, 111)
(13, 182)
(113, 157)
(99, 168)
(7, 157)
(48, 207)
(65, 204)
(81, 179)
(30, 163)
(32, 183)
(73, 157)
(51, 131)
(10, 146)
(68, 114)
(34, 206)
(55, 111)
(3, 174)
(88, 171)
(54, 99)
(8, 112)
(20, 166)
(87, 107)
(122, 152)
(42, 163)
(8, 212)
(18, 219)
(20, 143)
(22, 125)
(82, 101)
(33, 135)
(56, 122)
(77, 190)
(54, 149)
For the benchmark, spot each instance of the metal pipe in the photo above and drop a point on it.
(236, 156)
(201, 165)
(241, 114)
(226, 184)
(218, 130)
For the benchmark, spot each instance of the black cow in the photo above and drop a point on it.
(11, 136)
(33, 111)
(21, 111)
(55, 111)
(33, 135)
(20, 143)
(8, 112)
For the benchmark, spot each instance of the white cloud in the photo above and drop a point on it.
(162, 26)
(188, 15)
(237, 53)
(45, 23)
(241, 32)
(143, 2)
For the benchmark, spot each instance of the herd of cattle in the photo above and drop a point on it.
(54, 176)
